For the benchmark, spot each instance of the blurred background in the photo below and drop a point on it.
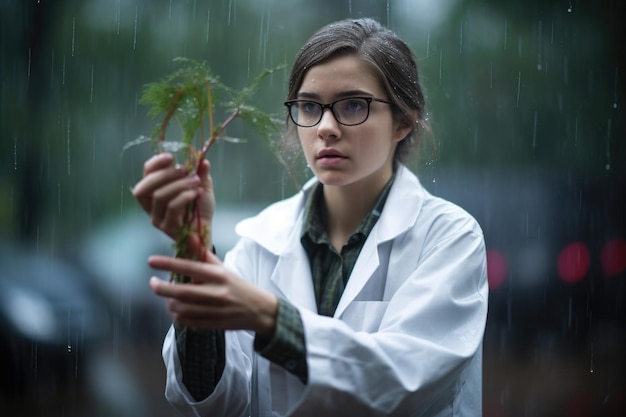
(526, 99)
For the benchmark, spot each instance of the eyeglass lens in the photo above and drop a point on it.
(347, 111)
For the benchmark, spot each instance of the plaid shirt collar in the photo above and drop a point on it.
(315, 214)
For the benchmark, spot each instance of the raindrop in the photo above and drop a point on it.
(242, 181)
(68, 146)
(427, 43)
(135, 31)
(608, 146)
(15, 152)
(122, 192)
(91, 90)
(248, 73)
(29, 60)
(535, 131)
(69, 333)
(169, 13)
(615, 95)
(73, 34)
(440, 65)
(208, 25)
(569, 7)
(63, 72)
(506, 30)
(118, 16)
(350, 7)
(519, 83)
(52, 71)
(539, 29)
(230, 5)
(76, 359)
(461, 40)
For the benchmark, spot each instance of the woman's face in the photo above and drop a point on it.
(341, 155)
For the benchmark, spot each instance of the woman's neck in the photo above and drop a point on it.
(347, 206)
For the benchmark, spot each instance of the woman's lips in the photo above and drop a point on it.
(330, 157)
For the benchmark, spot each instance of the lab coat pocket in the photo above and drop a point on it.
(365, 316)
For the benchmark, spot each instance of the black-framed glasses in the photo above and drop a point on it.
(350, 111)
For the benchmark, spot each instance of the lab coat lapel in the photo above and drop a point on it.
(277, 230)
(400, 213)
(366, 264)
(292, 275)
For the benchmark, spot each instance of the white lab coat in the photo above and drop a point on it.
(406, 338)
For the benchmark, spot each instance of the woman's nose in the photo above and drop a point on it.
(328, 125)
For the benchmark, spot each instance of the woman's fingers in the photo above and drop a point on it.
(185, 293)
(216, 298)
(201, 272)
(167, 190)
(157, 173)
(157, 162)
(170, 201)
(203, 172)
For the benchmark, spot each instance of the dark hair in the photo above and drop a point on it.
(389, 57)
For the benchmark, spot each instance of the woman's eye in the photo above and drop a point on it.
(309, 107)
(354, 106)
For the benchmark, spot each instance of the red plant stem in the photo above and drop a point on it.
(195, 213)
(170, 113)
(216, 135)
(201, 155)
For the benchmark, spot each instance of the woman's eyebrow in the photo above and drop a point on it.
(340, 95)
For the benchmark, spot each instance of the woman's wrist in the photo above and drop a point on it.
(266, 317)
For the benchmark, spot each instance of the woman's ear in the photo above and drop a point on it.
(403, 127)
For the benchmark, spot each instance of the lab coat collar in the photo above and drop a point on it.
(277, 229)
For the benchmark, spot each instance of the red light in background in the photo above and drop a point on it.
(613, 257)
(573, 262)
(496, 268)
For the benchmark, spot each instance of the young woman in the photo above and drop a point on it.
(362, 295)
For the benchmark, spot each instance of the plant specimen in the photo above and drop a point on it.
(189, 97)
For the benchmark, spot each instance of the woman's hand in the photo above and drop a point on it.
(216, 298)
(167, 189)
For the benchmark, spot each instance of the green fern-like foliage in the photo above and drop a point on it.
(189, 97)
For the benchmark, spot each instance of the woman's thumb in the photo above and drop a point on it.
(204, 171)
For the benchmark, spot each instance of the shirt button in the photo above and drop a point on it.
(291, 365)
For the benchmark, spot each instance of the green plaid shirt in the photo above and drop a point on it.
(330, 270)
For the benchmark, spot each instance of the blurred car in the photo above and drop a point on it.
(50, 317)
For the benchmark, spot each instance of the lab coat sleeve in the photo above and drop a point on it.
(231, 396)
(416, 361)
